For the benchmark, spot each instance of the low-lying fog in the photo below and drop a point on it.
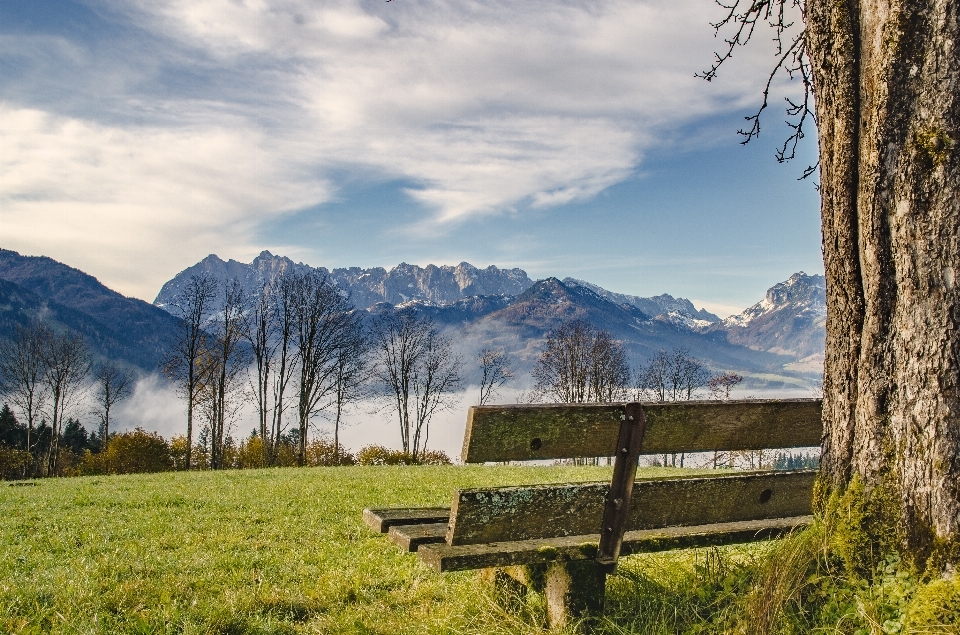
(155, 406)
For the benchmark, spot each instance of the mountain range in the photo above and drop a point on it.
(777, 342)
(780, 338)
(438, 286)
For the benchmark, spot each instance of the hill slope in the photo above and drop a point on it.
(115, 326)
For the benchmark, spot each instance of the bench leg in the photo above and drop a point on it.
(573, 590)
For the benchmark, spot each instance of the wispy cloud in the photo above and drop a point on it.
(196, 121)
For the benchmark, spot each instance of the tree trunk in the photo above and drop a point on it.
(887, 86)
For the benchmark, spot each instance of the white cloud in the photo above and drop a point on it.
(234, 112)
(120, 196)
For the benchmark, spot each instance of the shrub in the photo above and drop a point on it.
(379, 455)
(14, 463)
(434, 457)
(133, 452)
(178, 452)
(250, 454)
(322, 451)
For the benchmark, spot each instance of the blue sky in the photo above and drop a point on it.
(566, 138)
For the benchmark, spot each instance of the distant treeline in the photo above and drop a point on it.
(798, 461)
(139, 451)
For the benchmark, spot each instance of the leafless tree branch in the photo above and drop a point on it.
(743, 17)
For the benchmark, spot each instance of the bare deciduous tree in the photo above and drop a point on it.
(22, 372)
(672, 376)
(222, 363)
(721, 385)
(270, 333)
(261, 334)
(323, 318)
(417, 370)
(350, 376)
(496, 373)
(581, 364)
(112, 384)
(562, 371)
(692, 375)
(191, 305)
(609, 370)
(653, 380)
(66, 363)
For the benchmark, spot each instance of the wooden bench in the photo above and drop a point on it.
(562, 540)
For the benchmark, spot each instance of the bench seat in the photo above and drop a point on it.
(382, 519)
(411, 537)
(443, 557)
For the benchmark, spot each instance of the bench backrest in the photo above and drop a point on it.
(530, 432)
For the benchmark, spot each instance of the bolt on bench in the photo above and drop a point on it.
(562, 540)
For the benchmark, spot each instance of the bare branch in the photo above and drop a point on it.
(496, 373)
(418, 373)
(791, 59)
(581, 364)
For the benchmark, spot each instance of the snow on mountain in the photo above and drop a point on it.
(521, 326)
(781, 336)
(800, 292)
(431, 285)
(682, 310)
(787, 324)
(789, 320)
(404, 283)
(252, 276)
(683, 320)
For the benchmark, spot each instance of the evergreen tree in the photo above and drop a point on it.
(12, 432)
(75, 437)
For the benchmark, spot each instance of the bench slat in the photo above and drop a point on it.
(443, 557)
(381, 520)
(548, 511)
(410, 537)
(556, 431)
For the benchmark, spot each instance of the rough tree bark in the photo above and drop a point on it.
(886, 76)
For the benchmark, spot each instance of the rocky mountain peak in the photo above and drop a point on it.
(798, 288)
(799, 293)
(431, 284)
(790, 319)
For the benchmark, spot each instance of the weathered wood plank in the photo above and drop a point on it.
(555, 431)
(444, 557)
(381, 520)
(547, 511)
(410, 537)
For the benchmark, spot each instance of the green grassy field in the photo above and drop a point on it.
(285, 551)
(253, 551)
